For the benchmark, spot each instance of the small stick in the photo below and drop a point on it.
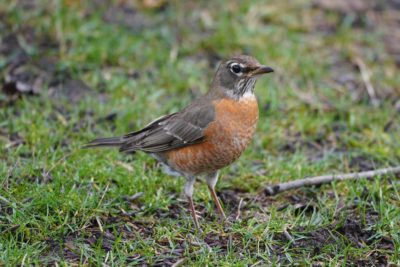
(288, 236)
(178, 262)
(275, 189)
(133, 197)
(366, 77)
(99, 223)
(238, 209)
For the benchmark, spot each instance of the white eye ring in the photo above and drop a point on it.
(236, 69)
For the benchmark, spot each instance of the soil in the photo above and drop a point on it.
(348, 229)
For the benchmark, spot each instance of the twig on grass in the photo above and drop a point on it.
(238, 209)
(366, 77)
(178, 262)
(275, 189)
(133, 197)
(288, 236)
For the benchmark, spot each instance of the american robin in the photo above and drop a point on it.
(208, 134)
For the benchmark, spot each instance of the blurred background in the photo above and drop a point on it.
(74, 70)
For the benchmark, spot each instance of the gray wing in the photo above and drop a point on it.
(171, 131)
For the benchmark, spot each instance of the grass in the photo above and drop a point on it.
(61, 204)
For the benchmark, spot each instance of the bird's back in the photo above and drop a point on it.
(168, 132)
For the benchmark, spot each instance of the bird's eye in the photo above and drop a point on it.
(236, 68)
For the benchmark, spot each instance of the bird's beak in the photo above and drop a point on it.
(261, 70)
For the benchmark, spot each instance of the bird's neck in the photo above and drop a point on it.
(243, 89)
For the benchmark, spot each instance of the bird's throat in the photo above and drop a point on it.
(244, 88)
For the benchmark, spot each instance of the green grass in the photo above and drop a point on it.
(60, 203)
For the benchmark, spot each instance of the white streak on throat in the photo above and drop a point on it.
(248, 96)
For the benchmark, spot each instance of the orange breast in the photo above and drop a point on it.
(226, 138)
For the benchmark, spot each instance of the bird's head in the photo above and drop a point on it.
(237, 76)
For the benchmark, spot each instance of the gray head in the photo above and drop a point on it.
(237, 76)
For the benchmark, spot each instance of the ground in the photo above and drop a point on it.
(72, 71)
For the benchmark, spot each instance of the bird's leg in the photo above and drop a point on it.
(211, 182)
(189, 193)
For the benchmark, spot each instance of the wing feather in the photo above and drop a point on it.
(171, 131)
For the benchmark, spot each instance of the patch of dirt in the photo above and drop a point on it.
(256, 206)
(177, 209)
(362, 163)
(231, 198)
(5, 209)
(68, 247)
(28, 69)
(353, 230)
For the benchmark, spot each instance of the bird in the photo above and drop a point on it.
(205, 136)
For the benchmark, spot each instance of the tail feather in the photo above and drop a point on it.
(100, 142)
